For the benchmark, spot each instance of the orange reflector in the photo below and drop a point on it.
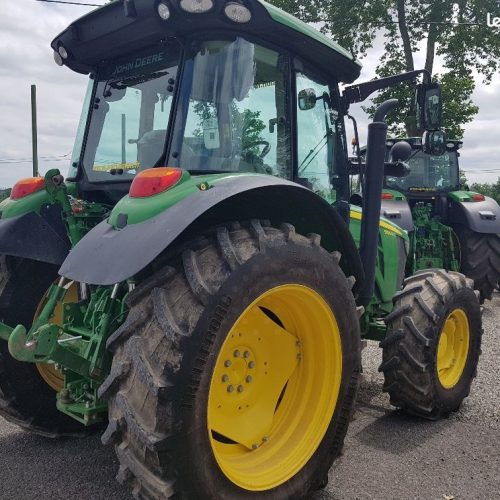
(478, 197)
(153, 181)
(24, 187)
(387, 196)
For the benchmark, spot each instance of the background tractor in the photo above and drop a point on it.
(449, 226)
(199, 281)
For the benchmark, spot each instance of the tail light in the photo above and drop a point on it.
(387, 196)
(478, 197)
(24, 187)
(153, 181)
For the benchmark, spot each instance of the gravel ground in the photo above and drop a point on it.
(387, 455)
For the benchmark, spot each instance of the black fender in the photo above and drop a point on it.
(40, 236)
(398, 212)
(105, 256)
(478, 216)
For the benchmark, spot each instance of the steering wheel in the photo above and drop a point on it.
(264, 152)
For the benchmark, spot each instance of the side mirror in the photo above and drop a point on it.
(400, 152)
(307, 99)
(429, 106)
(434, 143)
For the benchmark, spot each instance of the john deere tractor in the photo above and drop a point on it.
(448, 226)
(199, 282)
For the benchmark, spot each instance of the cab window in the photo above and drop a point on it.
(316, 135)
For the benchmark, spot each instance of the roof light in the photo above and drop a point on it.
(62, 52)
(196, 6)
(478, 197)
(58, 59)
(450, 145)
(153, 181)
(387, 196)
(24, 187)
(163, 11)
(237, 12)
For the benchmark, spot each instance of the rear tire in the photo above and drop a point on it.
(480, 260)
(25, 398)
(429, 316)
(168, 352)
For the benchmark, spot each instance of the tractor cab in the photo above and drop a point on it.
(429, 174)
(212, 89)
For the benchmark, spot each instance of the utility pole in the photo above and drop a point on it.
(34, 135)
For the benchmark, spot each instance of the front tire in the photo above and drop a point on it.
(235, 373)
(432, 345)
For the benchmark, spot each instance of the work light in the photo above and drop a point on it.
(237, 12)
(196, 6)
(163, 11)
(62, 52)
(58, 59)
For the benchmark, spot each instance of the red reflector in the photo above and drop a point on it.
(387, 196)
(24, 187)
(153, 181)
(478, 197)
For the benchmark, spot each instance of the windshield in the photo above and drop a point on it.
(131, 109)
(232, 111)
(428, 173)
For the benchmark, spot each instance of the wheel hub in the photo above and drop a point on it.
(453, 348)
(274, 387)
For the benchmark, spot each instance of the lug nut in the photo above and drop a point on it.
(225, 378)
(251, 364)
(255, 446)
(227, 363)
(241, 388)
(236, 353)
(230, 388)
(249, 379)
(246, 354)
(265, 439)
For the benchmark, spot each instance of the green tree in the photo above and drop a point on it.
(456, 31)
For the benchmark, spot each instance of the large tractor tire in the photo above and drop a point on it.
(433, 342)
(235, 373)
(28, 391)
(480, 259)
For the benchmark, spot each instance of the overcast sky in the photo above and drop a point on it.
(28, 26)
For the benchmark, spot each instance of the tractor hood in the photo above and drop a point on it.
(124, 26)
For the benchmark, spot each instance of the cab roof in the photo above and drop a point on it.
(124, 26)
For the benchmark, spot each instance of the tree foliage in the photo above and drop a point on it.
(488, 189)
(456, 31)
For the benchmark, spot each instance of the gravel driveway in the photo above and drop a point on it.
(387, 455)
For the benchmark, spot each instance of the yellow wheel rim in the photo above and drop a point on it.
(53, 377)
(453, 348)
(275, 387)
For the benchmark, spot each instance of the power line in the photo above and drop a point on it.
(72, 3)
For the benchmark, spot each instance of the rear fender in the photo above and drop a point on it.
(39, 236)
(398, 212)
(478, 216)
(106, 255)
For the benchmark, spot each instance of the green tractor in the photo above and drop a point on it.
(448, 226)
(199, 282)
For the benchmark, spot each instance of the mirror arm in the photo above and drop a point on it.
(358, 93)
